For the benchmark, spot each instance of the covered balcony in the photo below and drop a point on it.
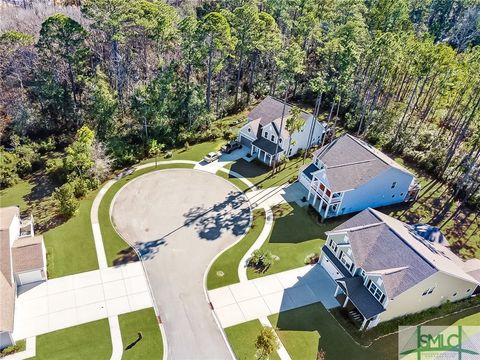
(362, 306)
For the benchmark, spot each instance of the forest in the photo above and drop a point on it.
(110, 82)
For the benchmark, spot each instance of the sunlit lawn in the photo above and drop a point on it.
(242, 340)
(228, 262)
(145, 322)
(234, 180)
(16, 195)
(87, 341)
(295, 235)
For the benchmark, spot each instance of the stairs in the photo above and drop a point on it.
(355, 315)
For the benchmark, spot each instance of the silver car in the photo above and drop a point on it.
(212, 156)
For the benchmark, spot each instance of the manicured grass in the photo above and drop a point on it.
(295, 235)
(116, 249)
(261, 175)
(70, 246)
(151, 345)
(306, 330)
(242, 340)
(86, 341)
(194, 152)
(228, 262)
(234, 180)
(16, 194)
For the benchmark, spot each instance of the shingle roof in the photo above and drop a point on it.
(385, 246)
(7, 289)
(360, 296)
(270, 110)
(267, 145)
(350, 162)
(27, 254)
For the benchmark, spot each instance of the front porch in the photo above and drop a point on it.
(265, 150)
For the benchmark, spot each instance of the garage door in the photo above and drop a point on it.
(330, 268)
(245, 142)
(29, 277)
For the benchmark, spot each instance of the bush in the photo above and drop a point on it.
(168, 154)
(266, 343)
(47, 145)
(8, 174)
(311, 259)
(260, 260)
(9, 350)
(55, 171)
(66, 200)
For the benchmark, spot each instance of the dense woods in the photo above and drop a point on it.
(404, 74)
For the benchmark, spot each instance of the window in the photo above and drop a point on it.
(454, 294)
(401, 194)
(362, 273)
(266, 135)
(346, 261)
(393, 195)
(468, 290)
(290, 151)
(272, 138)
(333, 246)
(394, 184)
(280, 140)
(428, 291)
(375, 291)
(249, 130)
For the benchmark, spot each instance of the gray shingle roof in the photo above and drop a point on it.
(270, 110)
(350, 162)
(358, 294)
(267, 145)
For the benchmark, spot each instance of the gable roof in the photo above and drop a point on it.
(385, 246)
(270, 111)
(350, 162)
(27, 254)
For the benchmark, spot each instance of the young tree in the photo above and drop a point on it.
(294, 124)
(266, 343)
(66, 201)
(154, 149)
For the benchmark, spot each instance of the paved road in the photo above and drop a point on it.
(179, 219)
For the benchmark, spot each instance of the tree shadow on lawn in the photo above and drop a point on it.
(294, 224)
(232, 214)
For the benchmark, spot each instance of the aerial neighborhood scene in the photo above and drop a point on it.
(239, 179)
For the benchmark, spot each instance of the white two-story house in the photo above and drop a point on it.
(22, 261)
(384, 269)
(349, 175)
(268, 141)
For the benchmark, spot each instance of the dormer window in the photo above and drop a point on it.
(249, 130)
(394, 184)
(280, 140)
(428, 291)
(272, 138)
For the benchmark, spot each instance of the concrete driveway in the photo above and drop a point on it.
(179, 219)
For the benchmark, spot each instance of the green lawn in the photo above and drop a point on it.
(117, 250)
(16, 195)
(70, 246)
(234, 180)
(290, 244)
(228, 262)
(261, 175)
(242, 340)
(151, 345)
(87, 341)
(194, 152)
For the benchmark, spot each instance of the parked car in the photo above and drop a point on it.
(212, 156)
(231, 146)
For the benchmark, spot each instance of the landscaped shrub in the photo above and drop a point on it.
(266, 343)
(260, 260)
(66, 201)
(9, 350)
(311, 259)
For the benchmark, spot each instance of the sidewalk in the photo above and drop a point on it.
(254, 299)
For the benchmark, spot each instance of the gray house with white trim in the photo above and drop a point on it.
(266, 139)
(383, 269)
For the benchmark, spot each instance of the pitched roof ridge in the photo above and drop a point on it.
(349, 164)
(355, 228)
(389, 271)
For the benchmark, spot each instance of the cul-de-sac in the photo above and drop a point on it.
(215, 180)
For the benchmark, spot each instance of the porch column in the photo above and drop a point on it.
(251, 149)
(265, 157)
(363, 324)
(336, 290)
(270, 161)
(314, 199)
(326, 210)
(309, 192)
(345, 303)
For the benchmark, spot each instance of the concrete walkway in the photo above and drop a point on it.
(253, 299)
(267, 228)
(278, 195)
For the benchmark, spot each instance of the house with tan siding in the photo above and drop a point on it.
(384, 269)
